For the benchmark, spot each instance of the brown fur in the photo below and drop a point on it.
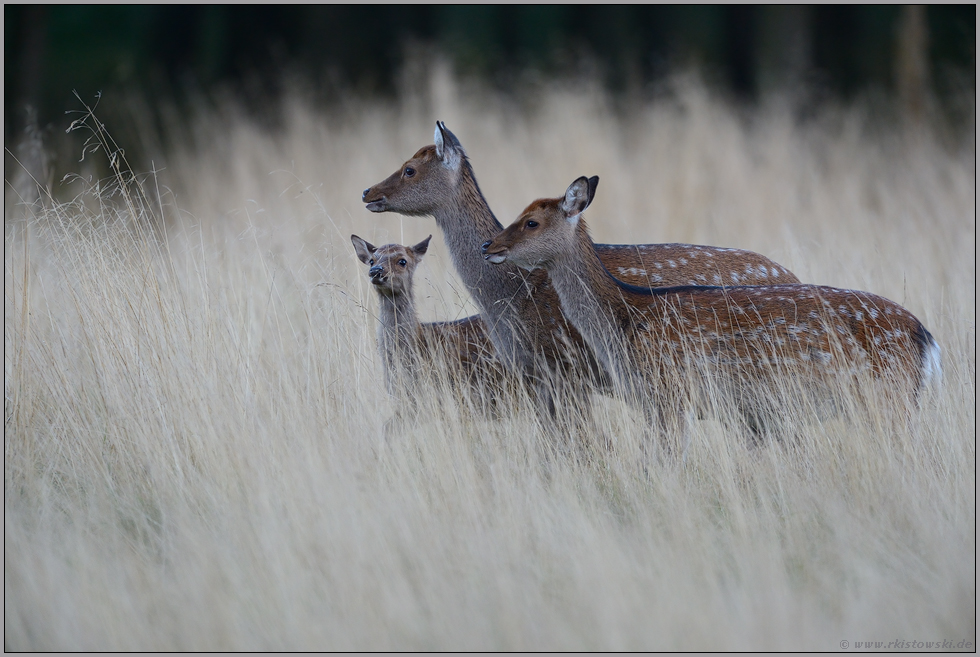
(521, 309)
(411, 349)
(742, 336)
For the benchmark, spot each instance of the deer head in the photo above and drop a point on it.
(545, 229)
(423, 182)
(392, 266)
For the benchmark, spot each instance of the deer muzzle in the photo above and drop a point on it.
(375, 202)
(493, 252)
(377, 275)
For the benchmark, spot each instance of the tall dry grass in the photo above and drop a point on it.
(193, 451)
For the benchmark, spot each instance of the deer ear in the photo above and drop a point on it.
(363, 248)
(448, 149)
(422, 246)
(593, 184)
(577, 198)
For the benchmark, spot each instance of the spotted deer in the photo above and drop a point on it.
(411, 350)
(664, 347)
(521, 310)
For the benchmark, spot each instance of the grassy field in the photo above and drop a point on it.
(193, 406)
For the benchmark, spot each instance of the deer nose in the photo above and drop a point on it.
(365, 193)
(376, 272)
(486, 245)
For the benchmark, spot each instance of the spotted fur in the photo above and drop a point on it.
(522, 311)
(739, 340)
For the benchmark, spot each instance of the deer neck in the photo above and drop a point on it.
(593, 303)
(398, 328)
(467, 222)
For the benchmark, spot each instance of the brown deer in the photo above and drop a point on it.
(663, 346)
(411, 350)
(521, 310)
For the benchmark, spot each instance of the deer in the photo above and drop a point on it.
(666, 347)
(410, 349)
(521, 311)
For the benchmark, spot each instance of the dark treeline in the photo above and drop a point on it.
(746, 50)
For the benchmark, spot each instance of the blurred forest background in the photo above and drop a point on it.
(920, 55)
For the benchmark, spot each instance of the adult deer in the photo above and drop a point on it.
(664, 347)
(522, 313)
(411, 350)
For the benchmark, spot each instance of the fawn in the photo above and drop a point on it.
(410, 349)
(663, 346)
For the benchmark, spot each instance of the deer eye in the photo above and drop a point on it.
(371, 261)
(409, 172)
(531, 224)
(403, 262)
